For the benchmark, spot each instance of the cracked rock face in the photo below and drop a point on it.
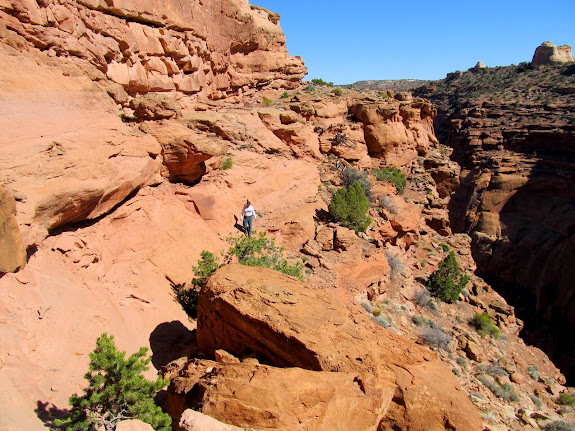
(12, 253)
(65, 145)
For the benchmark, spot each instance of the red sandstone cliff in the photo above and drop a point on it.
(214, 48)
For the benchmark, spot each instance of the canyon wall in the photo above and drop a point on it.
(513, 132)
(114, 125)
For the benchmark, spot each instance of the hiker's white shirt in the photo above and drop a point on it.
(250, 212)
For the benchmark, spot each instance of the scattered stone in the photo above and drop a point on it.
(501, 306)
(474, 351)
(225, 357)
(517, 377)
(192, 420)
(345, 238)
(133, 425)
(325, 236)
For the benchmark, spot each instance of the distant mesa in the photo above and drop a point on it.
(549, 53)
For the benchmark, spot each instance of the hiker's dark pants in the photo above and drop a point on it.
(248, 223)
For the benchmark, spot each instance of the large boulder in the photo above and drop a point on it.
(264, 397)
(184, 151)
(247, 310)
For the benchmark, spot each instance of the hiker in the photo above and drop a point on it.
(248, 215)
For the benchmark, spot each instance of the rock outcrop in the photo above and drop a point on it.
(184, 151)
(70, 155)
(214, 47)
(347, 359)
(549, 53)
(396, 132)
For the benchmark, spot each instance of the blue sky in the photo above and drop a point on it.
(346, 42)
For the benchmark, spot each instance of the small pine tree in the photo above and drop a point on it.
(117, 391)
(349, 207)
(447, 282)
(188, 297)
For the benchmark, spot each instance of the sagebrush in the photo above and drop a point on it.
(435, 337)
(559, 426)
(395, 264)
(504, 392)
(350, 175)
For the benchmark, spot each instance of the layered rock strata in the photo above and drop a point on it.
(192, 47)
